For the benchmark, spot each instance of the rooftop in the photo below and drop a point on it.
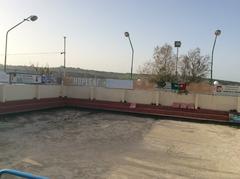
(70, 143)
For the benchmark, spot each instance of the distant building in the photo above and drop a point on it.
(4, 78)
(25, 78)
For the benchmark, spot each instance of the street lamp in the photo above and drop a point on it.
(128, 36)
(64, 58)
(217, 33)
(30, 18)
(177, 44)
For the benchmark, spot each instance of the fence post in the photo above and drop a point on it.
(64, 91)
(196, 101)
(3, 98)
(238, 103)
(157, 98)
(37, 92)
(123, 95)
(92, 93)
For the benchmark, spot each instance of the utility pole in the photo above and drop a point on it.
(64, 58)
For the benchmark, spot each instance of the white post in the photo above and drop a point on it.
(157, 98)
(196, 101)
(37, 92)
(238, 104)
(61, 89)
(3, 99)
(123, 96)
(64, 91)
(92, 93)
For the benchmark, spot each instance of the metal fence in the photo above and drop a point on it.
(95, 82)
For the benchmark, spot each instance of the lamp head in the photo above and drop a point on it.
(217, 32)
(215, 83)
(126, 34)
(177, 44)
(33, 18)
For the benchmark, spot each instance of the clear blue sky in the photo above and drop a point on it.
(94, 30)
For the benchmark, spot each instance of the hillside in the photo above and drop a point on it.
(79, 72)
(70, 71)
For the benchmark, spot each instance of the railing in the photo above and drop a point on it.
(20, 174)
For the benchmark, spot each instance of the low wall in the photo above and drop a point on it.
(2, 92)
(19, 92)
(106, 94)
(82, 92)
(168, 98)
(222, 103)
(48, 91)
(140, 96)
(211, 102)
(26, 92)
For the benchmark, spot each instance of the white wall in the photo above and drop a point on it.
(140, 96)
(168, 98)
(104, 94)
(19, 92)
(49, 91)
(22, 92)
(82, 92)
(223, 103)
(2, 98)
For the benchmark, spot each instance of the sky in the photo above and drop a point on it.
(95, 32)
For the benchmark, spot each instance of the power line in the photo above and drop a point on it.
(36, 53)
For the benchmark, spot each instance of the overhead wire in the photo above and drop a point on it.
(34, 53)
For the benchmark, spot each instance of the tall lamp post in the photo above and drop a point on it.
(64, 58)
(217, 33)
(128, 36)
(30, 18)
(64, 55)
(177, 44)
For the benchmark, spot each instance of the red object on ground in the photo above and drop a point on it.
(132, 105)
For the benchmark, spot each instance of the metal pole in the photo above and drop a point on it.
(64, 56)
(212, 58)
(5, 59)
(6, 43)
(177, 64)
(132, 57)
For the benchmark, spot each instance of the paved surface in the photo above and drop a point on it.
(74, 144)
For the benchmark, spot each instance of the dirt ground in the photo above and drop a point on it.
(74, 144)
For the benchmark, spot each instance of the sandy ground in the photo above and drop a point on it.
(74, 144)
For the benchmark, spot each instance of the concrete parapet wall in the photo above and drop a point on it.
(140, 96)
(49, 91)
(19, 92)
(221, 103)
(106, 94)
(25, 92)
(2, 97)
(168, 98)
(82, 92)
